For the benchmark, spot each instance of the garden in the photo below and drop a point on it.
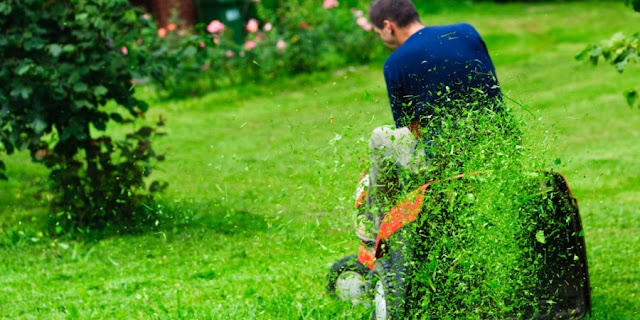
(170, 172)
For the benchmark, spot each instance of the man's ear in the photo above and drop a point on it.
(388, 24)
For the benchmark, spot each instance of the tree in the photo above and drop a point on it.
(619, 51)
(62, 61)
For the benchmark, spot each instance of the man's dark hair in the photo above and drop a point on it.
(402, 12)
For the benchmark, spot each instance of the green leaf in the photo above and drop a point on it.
(80, 87)
(143, 106)
(631, 96)
(3, 176)
(78, 104)
(584, 53)
(2, 166)
(620, 65)
(116, 117)
(23, 69)
(24, 92)
(5, 8)
(100, 125)
(100, 90)
(69, 48)
(145, 132)
(55, 50)
(190, 51)
(38, 125)
(540, 237)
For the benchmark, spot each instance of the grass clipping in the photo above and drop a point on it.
(488, 245)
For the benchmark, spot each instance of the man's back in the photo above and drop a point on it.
(434, 62)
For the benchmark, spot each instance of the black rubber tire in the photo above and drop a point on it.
(392, 270)
(348, 263)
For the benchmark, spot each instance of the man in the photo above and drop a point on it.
(429, 67)
(428, 62)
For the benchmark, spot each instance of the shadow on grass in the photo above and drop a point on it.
(28, 227)
(181, 216)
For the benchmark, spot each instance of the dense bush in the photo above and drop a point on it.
(286, 38)
(61, 63)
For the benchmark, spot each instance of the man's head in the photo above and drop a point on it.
(390, 16)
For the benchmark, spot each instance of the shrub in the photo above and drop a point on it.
(62, 62)
(619, 51)
(292, 37)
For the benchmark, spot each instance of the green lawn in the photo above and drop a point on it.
(266, 177)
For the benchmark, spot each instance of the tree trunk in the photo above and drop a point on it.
(93, 173)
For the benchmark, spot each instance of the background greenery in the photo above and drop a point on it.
(263, 176)
(279, 38)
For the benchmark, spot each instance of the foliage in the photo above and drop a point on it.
(322, 37)
(635, 4)
(619, 51)
(294, 37)
(62, 62)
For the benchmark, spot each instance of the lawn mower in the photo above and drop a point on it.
(377, 275)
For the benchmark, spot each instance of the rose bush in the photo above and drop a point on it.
(294, 37)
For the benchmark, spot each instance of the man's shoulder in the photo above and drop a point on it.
(452, 29)
(431, 38)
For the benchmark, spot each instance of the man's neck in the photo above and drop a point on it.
(404, 33)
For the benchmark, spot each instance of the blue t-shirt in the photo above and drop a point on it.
(435, 61)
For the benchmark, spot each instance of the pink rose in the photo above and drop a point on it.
(267, 27)
(124, 50)
(357, 13)
(229, 54)
(215, 27)
(252, 25)
(201, 44)
(162, 32)
(328, 4)
(249, 44)
(281, 45)
(171, 26)
(216, 40)
(364, 24)
(362, 21)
